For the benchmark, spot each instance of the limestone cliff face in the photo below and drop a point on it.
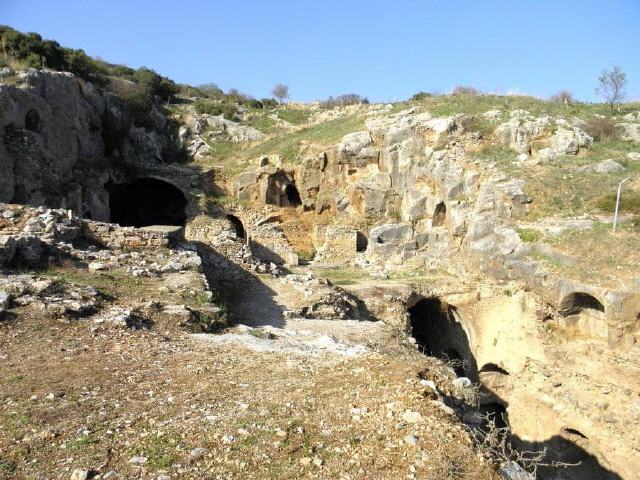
(62, 140)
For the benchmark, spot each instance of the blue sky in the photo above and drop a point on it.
(385, 50)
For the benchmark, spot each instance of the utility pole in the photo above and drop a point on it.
(615, 217)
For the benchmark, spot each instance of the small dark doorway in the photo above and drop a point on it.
(439, 215)
(362, 242)
(293, 196)
(32, 121)
(238, 227)
(146, 201)
(437, 332)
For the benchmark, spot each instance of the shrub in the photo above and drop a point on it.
(421, 96)
(253, 103)
(602, 128)
(629, 202)
(563, 97)
(269, 103)
(528, 235)
(227, 110)
(343, 100)
(211, 90)
(464, 90)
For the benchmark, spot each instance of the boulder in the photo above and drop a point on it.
(351, 144)
(518, 132)
(630, 131)
(633, 156)
(567, 141)
(393, 233)
(608, 166)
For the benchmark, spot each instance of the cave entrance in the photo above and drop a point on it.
(282, 191)
(146, 201)
(238, 226)
(439, 334)
(293, 196)
(32, 121)
(439, 215)
(576, 302)
(362, 242)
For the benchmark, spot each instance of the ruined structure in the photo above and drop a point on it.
(403, 194)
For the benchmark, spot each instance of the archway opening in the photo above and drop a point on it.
(32, 121)
(439, 215)
(293, 196)
(146, 201)
(439, 334)
(238, 227)
(362, 242)
(576, 302)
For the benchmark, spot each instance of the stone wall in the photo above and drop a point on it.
(335, 245)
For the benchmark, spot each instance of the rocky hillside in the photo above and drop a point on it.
(368, 291)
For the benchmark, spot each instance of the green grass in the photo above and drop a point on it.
(261, 121)
(528, 235)
(445, 105)
(323, 134)
(629, 202)
(294, 116)
(81, 442)
(343, 276)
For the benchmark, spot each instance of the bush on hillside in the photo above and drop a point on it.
(563, 97)
(464, 90)
(629, 202)
(227, 110)
(602, 128)
(421, 96)
(269, 103)
(343, 100)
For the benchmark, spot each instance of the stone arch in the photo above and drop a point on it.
(32, 120)
(238, 226)
(439, 215)
(146, 201)
(293, 195)
(574, 303)
(437, 330)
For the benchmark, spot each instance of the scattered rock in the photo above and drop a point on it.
(410, 416)
(79, 474)
(138, 460)
(608, 166)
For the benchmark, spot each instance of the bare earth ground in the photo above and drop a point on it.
(77, 396)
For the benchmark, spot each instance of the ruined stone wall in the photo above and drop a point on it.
(335, 245)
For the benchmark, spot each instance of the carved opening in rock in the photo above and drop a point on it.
(437, 331)
(362, 242)
(293, 196)
(87, 215)
(439, 214)
(576, 302)
(492, 367)
(32, 121)
(146, 201)
(238, 227)
(281, 191)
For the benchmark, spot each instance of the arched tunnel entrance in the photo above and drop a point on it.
(439, 334)
(238, 227)
(146, 201)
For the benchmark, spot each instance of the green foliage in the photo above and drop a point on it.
(345, 99)
(529, 235)
(295, 116)
(421, 96)
(629, 202)
(228, 110)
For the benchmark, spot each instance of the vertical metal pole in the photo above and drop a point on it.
(615, 217)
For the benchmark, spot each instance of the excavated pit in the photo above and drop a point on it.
(439, 334)
(146, 201)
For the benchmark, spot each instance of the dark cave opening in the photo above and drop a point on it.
(32, 121)
(293, 196)
(238, 226)
(439, 215)
(362, 242)
(146, 201)
(576, 302)
(436, 331)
